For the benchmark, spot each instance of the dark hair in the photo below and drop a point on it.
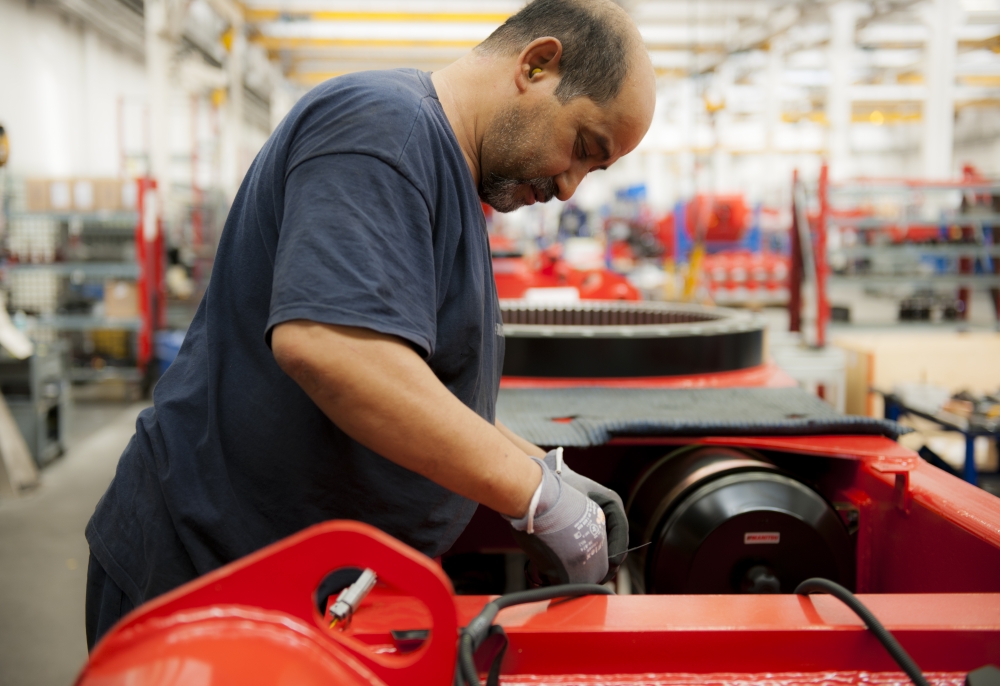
(595, 44)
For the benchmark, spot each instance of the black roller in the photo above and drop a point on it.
(596, 339)
(724, 521)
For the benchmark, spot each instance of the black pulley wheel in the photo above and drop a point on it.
(722, 521)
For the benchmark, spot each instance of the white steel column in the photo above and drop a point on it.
(772, 117)
(232, 131)
(939, 106)
(158, 51)
(721, 157)
(843, 21)
(282, 100)
(686, 124)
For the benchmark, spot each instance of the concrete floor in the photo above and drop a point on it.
(43, 553)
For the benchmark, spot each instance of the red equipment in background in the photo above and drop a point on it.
(151, 288)
(717, 217)
(515, 274)
(741, 276)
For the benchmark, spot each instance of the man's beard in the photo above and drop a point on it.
(505, 166)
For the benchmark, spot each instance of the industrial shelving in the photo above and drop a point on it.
(94, 247)
(923, 237)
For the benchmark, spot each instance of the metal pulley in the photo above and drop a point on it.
(725, 521)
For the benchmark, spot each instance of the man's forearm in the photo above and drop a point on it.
(380, 393)
(528, 447)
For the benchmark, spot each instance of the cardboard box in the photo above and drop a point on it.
(120, 299)
(129, 194)
(60, 195)
(107, 195)
(83, 195)
(37, 191)
(80, 195)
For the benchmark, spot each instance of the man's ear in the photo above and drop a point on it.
(538, 62)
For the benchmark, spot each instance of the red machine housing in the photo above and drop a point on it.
(929, 551)
(928, 565)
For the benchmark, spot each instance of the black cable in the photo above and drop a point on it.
(478, 629)
(897, 652)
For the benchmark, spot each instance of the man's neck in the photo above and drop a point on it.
(468, 103)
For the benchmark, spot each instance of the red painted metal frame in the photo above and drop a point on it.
(928, 565)
(703, 634)
(822, 268)
(916, 520)
(284, 576)
(796, 267)
(766, 375)
(638, 639)
(151, 291)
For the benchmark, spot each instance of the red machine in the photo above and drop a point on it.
(731, 519)
(515, 274)
(717, 217)
(740, 276)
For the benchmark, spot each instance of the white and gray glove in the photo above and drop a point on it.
(610, 502)
(563, 533)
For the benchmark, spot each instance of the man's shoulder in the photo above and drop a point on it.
(372, 112)
(403, 88)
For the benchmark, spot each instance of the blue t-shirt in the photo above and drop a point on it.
(360, 210)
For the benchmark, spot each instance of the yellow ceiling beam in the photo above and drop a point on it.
(980, 79)
(265, 15)
(275, 43)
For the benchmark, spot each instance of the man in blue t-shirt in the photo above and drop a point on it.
(345, 360)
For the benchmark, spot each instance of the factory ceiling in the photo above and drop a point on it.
(299, 43)
(313, 40)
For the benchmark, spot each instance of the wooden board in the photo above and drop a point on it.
(956, 361)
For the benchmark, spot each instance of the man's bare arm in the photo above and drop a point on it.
(528, 447)
(381, 394)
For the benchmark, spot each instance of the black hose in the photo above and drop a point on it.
(466, 665)
(897, 652)
(549, 592)
(473, 635)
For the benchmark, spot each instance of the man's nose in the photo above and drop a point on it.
(568, 181)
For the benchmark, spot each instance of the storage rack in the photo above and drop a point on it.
(947, 248)
(88, 244)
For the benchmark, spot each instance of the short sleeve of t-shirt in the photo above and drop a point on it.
(355, 248)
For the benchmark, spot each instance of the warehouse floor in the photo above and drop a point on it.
(43, 554)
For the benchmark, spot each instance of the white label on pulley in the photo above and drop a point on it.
(755, 537)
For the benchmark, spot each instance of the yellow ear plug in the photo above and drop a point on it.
(536, 70)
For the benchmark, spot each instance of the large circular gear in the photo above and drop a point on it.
(615, 339)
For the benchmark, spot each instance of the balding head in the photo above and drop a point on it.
(563, 88)
(600, 44)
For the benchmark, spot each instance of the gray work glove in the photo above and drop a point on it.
(563, 533)
(610, 502)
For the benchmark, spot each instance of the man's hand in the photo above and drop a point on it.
(563, 533)
(377, 390)
(610, 502)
